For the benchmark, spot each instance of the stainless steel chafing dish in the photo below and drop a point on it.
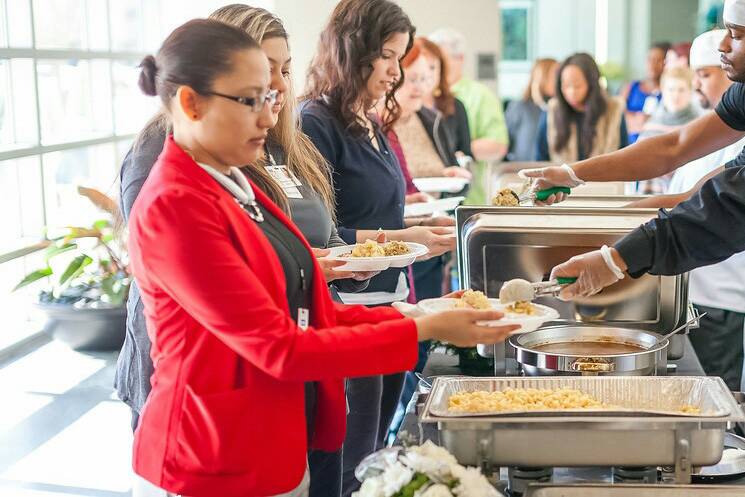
(594, 439)
(496, 244)
(615, 490)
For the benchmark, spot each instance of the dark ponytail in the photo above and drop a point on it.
(194, 55)
(147, 76)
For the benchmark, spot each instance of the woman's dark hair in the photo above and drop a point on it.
(350, 42)
(595, 104)
(193, 55)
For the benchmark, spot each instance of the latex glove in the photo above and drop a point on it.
(547, 177)
(457, 172)
(593, 270)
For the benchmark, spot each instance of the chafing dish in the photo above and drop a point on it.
(590, 350)
(626, 490)
(496, 244)
(575, 439)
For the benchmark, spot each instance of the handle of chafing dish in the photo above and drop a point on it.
(693, 313)
(592, 365)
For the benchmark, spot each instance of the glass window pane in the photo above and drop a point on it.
(152, 23)
(19, 23)
(32, 201)
(3, 33)
(514, 34)
(131, 107)
(20, 201)
(98, 28)
(17, 104)
(77, 99)
(10, 204)
(126, 25)
(59, 23)
(93, 167)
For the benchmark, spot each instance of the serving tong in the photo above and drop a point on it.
(530, 195)
(519, 290)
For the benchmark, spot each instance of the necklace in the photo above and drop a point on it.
(239, 187)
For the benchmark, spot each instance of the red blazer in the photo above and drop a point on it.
(226, 413)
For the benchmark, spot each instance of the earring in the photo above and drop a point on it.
(437, 92)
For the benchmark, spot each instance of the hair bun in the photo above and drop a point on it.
(148, 72)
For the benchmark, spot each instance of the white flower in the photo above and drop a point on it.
(471, 483)
(395, 477)
(427, 465)
(371, 487)
(437, 491)
(429, 449)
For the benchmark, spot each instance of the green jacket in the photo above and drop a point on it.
(486, 120)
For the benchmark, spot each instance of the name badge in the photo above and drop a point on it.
(286, 180)
(303, 318)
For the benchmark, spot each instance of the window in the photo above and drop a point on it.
(516, 30)
(70, 107)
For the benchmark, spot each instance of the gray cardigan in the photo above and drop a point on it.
(134, 366)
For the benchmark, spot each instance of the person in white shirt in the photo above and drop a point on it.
(718, 290)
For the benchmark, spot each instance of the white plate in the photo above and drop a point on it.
(527, 323)
(440, 184)
(429, 208)
(375, 263)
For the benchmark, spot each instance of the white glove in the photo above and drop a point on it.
(593, 270)
(547, 177)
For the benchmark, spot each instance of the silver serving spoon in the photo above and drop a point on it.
(690, 322)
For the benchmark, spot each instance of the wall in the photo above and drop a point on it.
(305, 19)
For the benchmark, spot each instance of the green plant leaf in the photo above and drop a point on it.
(55, 250)
(34, 276)
(75, 268)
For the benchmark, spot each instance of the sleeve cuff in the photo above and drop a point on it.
(637, 251)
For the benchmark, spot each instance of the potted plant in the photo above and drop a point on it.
(88, 283)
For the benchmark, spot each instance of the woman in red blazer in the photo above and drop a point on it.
(221, 275)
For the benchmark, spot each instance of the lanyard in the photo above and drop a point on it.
(239, 187)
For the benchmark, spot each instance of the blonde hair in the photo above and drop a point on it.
(538, 75)
(684, 74)
(302, 157)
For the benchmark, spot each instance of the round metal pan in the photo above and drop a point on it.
(649, 360)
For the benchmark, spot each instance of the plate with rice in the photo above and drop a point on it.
(374, 256)
(528, 315)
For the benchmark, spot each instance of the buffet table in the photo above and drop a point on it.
(440, 364)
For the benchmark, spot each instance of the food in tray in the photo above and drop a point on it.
(689, 409)
(371, 248)
(522, 399)
(506, 198)
(532, 399)
(473, 299)
(524, 308)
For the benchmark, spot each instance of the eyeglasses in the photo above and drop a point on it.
(256, 103)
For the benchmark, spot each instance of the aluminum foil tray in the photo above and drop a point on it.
(608, 490)
(634, 395)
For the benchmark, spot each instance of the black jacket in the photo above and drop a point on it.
(706, 229)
